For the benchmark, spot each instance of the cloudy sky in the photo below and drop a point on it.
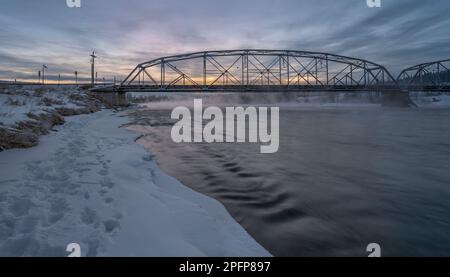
(123, 32)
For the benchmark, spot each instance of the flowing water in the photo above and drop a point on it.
(344, 177)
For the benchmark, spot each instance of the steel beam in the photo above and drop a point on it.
(267, 67)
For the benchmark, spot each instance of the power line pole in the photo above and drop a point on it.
(44, 67)
(76, 78)
(93, 56)
(59, 80)
(39, 77)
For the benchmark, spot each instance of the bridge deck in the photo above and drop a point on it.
(274, 89)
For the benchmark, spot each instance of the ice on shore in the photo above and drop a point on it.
(424, 99)
(89, 183)
(17, 103)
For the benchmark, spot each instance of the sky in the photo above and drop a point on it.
(399, 34)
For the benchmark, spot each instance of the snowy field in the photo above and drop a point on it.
(27, 112)
(16, 104)
(89, 183)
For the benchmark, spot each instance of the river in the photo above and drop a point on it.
(345, 176)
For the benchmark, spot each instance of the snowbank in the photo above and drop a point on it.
(27, 112)
(430, 99)
(90, 184)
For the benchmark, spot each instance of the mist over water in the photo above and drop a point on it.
(345, 175)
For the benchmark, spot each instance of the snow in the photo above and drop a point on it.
(428, 100)
(89, 183)
(17, 103)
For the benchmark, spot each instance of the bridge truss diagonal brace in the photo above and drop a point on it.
(224, 72)
(284, 68)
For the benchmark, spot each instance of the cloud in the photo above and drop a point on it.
(125, 33)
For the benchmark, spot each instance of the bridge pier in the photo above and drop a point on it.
(397, 98)
(111, 98)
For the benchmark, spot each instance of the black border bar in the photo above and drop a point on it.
(278, 266)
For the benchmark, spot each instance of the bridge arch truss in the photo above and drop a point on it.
(257, 70)
(426, 76)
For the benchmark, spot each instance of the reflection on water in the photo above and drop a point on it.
(343, 178)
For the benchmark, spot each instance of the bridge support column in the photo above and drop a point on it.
(397, 98)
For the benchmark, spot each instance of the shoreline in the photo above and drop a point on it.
(90, 183)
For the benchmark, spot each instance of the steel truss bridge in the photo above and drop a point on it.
(431, 76)
(258, 70)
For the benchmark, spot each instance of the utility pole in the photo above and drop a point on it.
(93, 56)
(44, 67)
(39, 77)
(59, 80)
(76, 78)
(96, 77)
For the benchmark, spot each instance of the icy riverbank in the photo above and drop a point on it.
(90, 184)
(27, 111)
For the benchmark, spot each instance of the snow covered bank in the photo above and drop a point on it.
(90, 184)
(27, 112)
(430, 99)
